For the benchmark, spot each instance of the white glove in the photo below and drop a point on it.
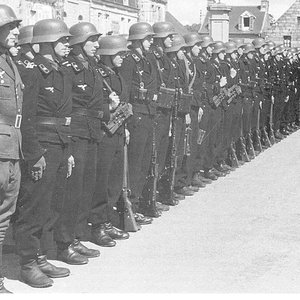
(114, 101)
(287, 99)
(188, 120)
(272, 99)
(200, 114)
(71, 165)
(233, 73)
(223, 81)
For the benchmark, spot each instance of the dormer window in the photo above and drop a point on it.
(246, 21)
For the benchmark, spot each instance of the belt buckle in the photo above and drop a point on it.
(18, 121)
(67, 121)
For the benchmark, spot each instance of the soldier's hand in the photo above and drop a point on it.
(188, 120)
(38, 169)
(114, 101)
(272, 99)
(286, 99)
(223, 81)
(200, 114)
(71, 165)
(233, 73)
(127, 136)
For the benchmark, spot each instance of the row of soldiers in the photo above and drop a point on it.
(115, 131)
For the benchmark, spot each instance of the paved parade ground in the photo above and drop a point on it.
(239, 234)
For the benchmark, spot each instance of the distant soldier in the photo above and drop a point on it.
(46, 134)
(140, 73)
(10, 121)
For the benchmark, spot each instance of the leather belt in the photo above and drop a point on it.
(54, 121)
(78, 111)
(11, 120)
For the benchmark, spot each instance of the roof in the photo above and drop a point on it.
(234, 15)
(179, 28)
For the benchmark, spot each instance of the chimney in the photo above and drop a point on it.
(264, 7)
(210, 2)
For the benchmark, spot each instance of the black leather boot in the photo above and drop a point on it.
(71, 256)
(51, 270)
(83, 250)
(116, 233)
(101, 238)
(32, 275)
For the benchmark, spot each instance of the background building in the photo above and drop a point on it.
(152, 11)
(246, 22)
(286, 30)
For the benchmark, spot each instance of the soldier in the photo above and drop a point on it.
(10, 121)
(46, 130)
(88, 109)
(163, 38)
(260, 106)
(247, 81)
(140, 73)
(195, 66)
(103, 215)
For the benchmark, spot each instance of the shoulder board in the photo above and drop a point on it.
(103, 72)
(76, 67)
(66, 63)
(135, 57)
(202, 59)
(44, 69)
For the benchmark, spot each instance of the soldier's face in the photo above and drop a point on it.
(180, 54)
(240, 51)
(9, 35)
(117, 60)
(61, 47)
(209, 50)
(91, 45)
(196, 50)
(147, 42)
(168, 41)
(250, 55)
(221, 55)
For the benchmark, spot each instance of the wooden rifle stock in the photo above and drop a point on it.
(187, 140)
(167, 179)
(148, 204)
(128, 222)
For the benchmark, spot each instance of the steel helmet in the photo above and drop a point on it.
(25, 35)
(177, 44)
(259, 42)
(163, 29)
(7, 15)
(271, 44)
(239, 42)
(192, 38)
(206, 41)
(112, 44)
(81, 32)
(230, 47)
(249, 47)
(218, 47)
(139, 31)
(49, 30)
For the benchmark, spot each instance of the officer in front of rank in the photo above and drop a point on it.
(10, 121)
(46, 132)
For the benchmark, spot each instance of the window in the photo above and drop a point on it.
(246, 22)
(80, 18)
(287, 40)
(298, 21)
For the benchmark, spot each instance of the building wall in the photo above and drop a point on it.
(152, 11)
(287, 26)
(105, 17)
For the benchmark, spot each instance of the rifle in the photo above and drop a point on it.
(148, 204)
(187, 140)
(167, 179)
(128, 222)
(271, 133)
(218, 99)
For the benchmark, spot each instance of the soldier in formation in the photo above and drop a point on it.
(115, 131)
